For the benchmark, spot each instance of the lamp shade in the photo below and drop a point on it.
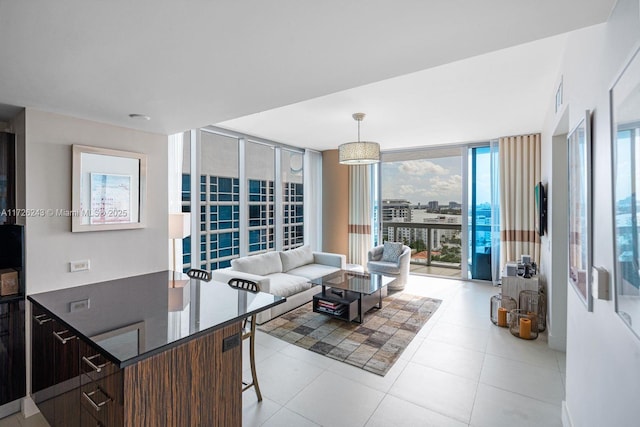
(179, 225)
(359, 153)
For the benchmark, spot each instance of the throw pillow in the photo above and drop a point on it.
(295, 258)
(260, 265)
(392, 251)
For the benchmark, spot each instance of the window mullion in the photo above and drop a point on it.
(244, 199)
(278, 207)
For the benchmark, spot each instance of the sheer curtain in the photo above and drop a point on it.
(519, 173)
(359, 213)
(313, 199)
(494, 148)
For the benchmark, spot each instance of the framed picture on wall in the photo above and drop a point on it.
(625, 138)
(579, 146)
(108, 189)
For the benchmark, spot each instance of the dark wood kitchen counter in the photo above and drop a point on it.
(154, 349)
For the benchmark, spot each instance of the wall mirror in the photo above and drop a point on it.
(579, 145)
(108, 190)
(625, 130)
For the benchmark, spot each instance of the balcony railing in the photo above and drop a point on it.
(416, 231)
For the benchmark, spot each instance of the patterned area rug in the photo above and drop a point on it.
(375, 345)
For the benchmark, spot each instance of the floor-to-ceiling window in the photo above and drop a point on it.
(421, 205)
(292, 183)
(215, 201)
(480, 209)
(247, 196)
(260, 177)
(438, 201)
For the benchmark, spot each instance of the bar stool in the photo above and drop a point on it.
(195, 273)
(250, 333)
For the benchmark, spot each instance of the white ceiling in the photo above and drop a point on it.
(192, 63)
(502, 93)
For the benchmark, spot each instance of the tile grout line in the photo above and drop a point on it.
(475, 396)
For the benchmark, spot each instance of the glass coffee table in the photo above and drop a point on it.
(347, 295)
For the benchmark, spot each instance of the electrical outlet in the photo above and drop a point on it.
(81, 265)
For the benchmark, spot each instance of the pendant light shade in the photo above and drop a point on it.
(360, 152)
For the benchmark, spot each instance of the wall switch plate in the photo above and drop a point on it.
(81, 265)
(79, 305)
(600, 283)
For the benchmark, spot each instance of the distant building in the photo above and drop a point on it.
(396, 210)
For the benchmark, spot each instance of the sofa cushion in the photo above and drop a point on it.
(383, 267)
(285, 285)
(261, 265)
(313, 271)
(392, 251)
(296, 258)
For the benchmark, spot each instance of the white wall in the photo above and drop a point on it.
(553, 269)
(603, 356)
(50, 244)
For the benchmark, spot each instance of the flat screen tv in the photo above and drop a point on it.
(541, 209)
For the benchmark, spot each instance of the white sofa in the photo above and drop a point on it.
(285, 274)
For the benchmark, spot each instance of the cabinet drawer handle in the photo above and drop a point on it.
(89, 361)
(63, 340)
(42, 319)
(96, 405)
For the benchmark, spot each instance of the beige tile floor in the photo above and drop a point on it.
(460, 370)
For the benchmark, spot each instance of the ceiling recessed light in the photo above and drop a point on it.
(140, 116)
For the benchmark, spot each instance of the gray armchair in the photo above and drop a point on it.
(399, 270)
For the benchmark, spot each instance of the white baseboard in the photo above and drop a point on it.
(29, 407)
(557, 343)
(9, 408)
(566, 418)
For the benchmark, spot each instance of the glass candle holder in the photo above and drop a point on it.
(500, 308)
(523, 324)
(534, 302)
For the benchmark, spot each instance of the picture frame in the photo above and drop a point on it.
(579, 237)
(108, 189)
(624, 98)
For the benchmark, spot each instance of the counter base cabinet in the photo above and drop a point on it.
(55, 374)
(12, 360)
(196, 383)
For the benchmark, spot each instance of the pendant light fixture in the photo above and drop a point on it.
(361, 152)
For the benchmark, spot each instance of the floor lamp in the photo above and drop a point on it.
(179, 292)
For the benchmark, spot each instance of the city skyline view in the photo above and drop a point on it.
(440, 179)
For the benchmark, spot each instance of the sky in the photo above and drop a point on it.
(440, 179)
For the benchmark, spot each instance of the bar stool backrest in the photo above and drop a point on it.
(195, 273)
